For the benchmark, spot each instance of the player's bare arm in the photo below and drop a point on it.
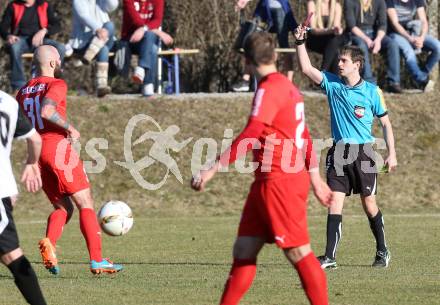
(199, 181)
(50, 113)
(321, 190)
(391, 160)
(252, 131)
(303, 58)
(31, 176)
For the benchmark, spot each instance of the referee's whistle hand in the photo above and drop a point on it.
(391, 163)
(300, 32)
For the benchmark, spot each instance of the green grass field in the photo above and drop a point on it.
(179, 250)
(185, 260)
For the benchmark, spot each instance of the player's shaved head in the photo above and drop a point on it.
(47, 60)
(43, 55)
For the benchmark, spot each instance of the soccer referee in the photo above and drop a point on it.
(351, 166)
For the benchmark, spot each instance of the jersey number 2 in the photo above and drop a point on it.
(32, 108)
(299, 116)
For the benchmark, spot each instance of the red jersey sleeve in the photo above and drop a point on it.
(265, 105)
(252, 130)
(57, 91)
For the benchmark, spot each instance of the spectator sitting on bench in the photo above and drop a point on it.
(411, 35)
(93, 36)
(25, 25)
(140, 27)
(326, 34)
(366, 21)
(278, 15)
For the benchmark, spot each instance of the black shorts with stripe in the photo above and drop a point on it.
(351, 169)
(8, 232)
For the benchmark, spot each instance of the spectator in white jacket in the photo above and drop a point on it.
(93, 36)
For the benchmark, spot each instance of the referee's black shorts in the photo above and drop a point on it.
(8, 232)
(351, 169)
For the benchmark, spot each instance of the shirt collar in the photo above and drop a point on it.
(359, 83)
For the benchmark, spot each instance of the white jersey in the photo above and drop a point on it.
(13, 124)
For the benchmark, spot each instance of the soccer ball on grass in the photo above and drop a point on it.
(115, 218)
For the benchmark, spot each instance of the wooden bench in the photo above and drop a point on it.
(176, 53)
(280, 50)
(285, 50)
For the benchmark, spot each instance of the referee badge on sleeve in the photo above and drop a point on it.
(359, 111)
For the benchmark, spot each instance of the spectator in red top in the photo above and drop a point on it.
(25, 25)
(140, 27)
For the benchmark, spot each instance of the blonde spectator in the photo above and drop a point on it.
(326, 34)
(366, 21)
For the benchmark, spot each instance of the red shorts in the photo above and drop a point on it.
(62, 172)
(276, 210)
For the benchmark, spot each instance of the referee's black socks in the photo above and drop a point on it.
(334, 234)
(378, 229)
(26, 281)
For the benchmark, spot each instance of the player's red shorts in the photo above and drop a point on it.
(62, 172)
(276, 210)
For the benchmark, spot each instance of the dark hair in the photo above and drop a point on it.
(259, 48)
(355, 54)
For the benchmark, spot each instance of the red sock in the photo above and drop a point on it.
(240, 279)
(91, 232)
(55, 224)
(313, 279)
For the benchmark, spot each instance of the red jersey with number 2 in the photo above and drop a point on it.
(30, 98)
(276, 207)
(279, 105)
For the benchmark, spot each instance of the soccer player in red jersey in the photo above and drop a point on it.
(43, 99)
(276, 207)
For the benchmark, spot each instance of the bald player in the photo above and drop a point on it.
(43, 99)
